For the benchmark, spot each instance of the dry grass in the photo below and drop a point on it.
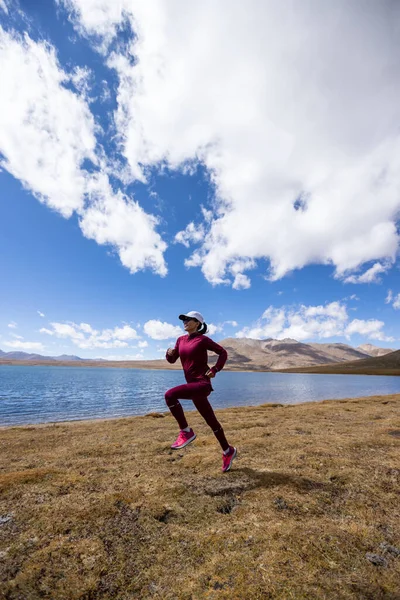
(104, 509)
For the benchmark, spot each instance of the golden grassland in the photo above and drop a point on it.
(104, 509)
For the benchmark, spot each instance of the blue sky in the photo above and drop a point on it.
(164, 157)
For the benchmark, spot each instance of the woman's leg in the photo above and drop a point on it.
(183, 392)
(197, 392)
(205, 409)
(171, 398)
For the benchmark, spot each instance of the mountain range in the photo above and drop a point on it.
(28, 356)
(271, 354)
(244, 354)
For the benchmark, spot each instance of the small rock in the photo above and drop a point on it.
(155, 415)
(218, 585)
(280, 504)
(5, 519)
(376, 559)
(394, 472)
(33, 540)
(390, 549)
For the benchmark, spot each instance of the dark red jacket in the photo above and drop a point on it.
(192, 350)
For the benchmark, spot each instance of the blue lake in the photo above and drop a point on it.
(48, 394)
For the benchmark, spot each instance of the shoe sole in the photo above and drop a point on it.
(230, 464)
(185, 444)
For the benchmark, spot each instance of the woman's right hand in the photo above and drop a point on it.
(170, 351)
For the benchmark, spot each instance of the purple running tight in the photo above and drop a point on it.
(197, 392)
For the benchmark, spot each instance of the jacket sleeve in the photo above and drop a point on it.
(222, 355)
(172, 359)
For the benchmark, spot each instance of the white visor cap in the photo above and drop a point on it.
(192, 314)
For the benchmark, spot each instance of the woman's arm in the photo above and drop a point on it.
(172, 354)
(222, 354)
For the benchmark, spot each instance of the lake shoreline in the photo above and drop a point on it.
(166, 413)
(329, 369)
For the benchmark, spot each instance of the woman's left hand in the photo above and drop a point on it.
(210, 374)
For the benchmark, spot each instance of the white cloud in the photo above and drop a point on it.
(3, 6)
(392, 299)
(125, 333)
(66, 330)
(212, 329)
(17, 337)
(158, 330)
(47, 331)
(396, 302)
(192, 234)
(85, 337)
(371, 275)
(116, 220)
(312, 322)
(241, 282)
(283, 126)
(105, 93)
(333, 310)
(87, 328)
(218, 328)
(113, 344)
(371, 329)
(271, 324)
(80, 78)
(47, 132)
(143, 344)
(12, 325)
(24, 346)
(97, 17)
(137, 356)
(40, 313)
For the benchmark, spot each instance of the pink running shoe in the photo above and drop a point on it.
(227, 459)
(184, 438)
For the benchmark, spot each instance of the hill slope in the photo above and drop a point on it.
(374, 350)
(389, 364)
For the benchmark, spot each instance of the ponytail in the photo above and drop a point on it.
(203, 328)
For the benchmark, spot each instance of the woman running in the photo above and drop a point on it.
(192, 350)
